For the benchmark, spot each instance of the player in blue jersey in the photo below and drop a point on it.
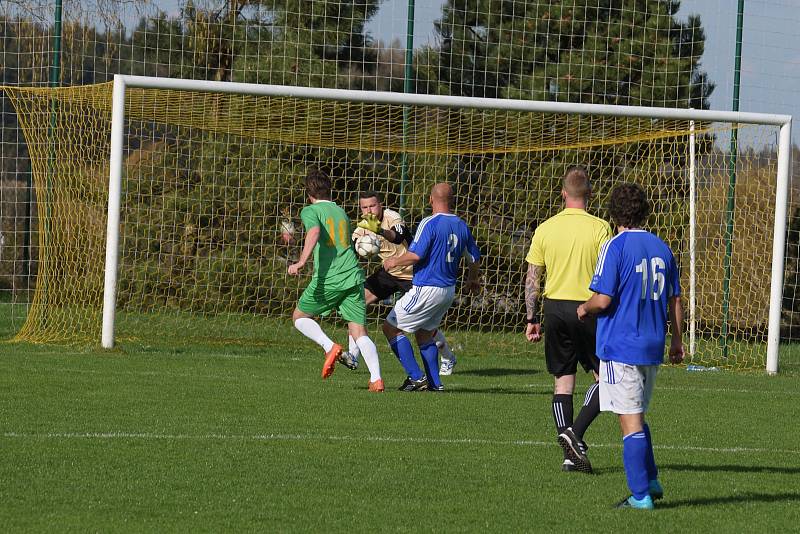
(636, 290)
(395, 237)
(440, 242)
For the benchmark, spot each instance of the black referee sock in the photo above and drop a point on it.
(562, 412)
(589, 411)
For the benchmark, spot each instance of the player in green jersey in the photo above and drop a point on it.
(338, 280)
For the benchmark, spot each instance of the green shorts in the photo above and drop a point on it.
(348, 302)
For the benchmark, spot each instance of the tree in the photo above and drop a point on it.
(625, 52)
(313, 43)
(631, 52)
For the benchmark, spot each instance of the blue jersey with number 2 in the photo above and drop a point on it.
(637, 270)
(440, 241)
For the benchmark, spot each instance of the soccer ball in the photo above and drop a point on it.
(368, 245)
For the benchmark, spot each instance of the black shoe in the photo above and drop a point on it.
(436, 389)
(348, 360)
(414, 385)
(568, 466)
(574, 451)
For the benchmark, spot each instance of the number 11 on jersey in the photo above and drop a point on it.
(332, 233)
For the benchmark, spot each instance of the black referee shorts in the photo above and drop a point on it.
(568, 341)
(382, 284)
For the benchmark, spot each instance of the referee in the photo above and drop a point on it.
(564, 249)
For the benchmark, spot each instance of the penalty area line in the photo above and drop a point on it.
(363, 439)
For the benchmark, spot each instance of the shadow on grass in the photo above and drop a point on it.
(459, 391)
(733, 468)
(746, 497)
(497, 390)
(499, 372)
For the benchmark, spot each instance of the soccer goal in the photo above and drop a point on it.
(191, 235)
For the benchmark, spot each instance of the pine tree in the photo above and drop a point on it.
(312, 43)
(631, 52)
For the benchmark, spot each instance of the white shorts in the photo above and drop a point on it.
(421, 308)
(625, 388)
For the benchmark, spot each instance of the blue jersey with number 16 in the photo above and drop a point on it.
(440, 241)
(638, 271)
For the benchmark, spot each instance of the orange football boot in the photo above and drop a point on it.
(330, 360)
(377, 386)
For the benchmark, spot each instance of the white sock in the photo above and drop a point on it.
(310, 329)
(370, 354)
(354, 350)
(441, 344)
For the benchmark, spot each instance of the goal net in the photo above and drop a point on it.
(211, 187)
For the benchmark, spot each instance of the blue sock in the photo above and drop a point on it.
(650, 459)
(634, 453)
(402, 348)
(430, 359)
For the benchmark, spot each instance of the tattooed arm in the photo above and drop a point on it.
(533, 327)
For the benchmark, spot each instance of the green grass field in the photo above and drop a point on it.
(233, 438)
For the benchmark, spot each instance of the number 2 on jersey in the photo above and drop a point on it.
(452, 244)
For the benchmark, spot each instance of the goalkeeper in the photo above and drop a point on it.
(383, 283)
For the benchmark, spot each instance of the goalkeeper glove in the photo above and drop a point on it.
(370, 222)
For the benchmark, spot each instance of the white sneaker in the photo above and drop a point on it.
(446, 368)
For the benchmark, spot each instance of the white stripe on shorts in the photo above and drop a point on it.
(625, 388)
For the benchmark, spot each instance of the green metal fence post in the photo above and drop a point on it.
(55, 70)
(729, 218)
(407, 87)
(55, 81)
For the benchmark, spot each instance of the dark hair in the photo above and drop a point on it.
(318, 184)
(628, 205)
(369, 193)
(576, 182)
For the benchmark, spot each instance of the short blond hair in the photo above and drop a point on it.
(576, 182)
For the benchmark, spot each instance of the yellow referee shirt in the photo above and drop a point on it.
(567, 245)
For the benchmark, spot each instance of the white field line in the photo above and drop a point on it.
(361, 439)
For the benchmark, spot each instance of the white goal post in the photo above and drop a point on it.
(123, 82)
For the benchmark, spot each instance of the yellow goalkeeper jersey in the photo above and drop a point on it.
(393, 221)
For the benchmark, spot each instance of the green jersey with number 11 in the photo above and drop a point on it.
(335, 262)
